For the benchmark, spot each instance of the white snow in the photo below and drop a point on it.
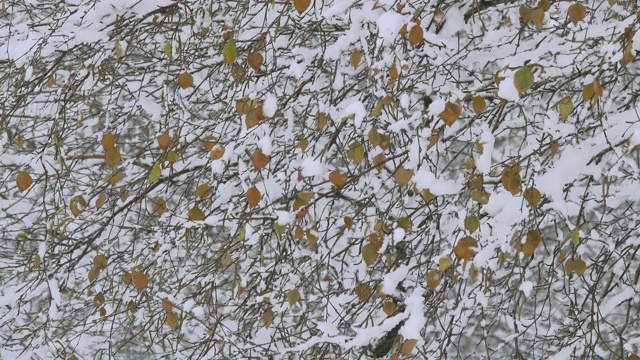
(507, 90)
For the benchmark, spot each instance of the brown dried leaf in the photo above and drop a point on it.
(338, 178)
(141, 281)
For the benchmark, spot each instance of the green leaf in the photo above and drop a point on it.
(155, 173)
(355, 152)
(230, 52)
(168, 50)
(369, 253)
(377, 110)
(279, 229)
(293, 296)
(523, 79)
(575, 235)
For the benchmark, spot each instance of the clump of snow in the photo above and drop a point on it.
(389, 25)
(507, 90)
(312, 167)
(357, 110)
(270, 105)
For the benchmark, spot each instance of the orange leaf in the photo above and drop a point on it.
(100, 201)
(77, 205)
(159, 206)
(301, 5)
(255, 60)
(403, 176)
(533, 196)
(416, 35)
(464, 249)
(338, 179)
(164, 140)
(260, 160)
(253, 197)
(108, 141)
(167, 305)
(23, 180)
(577, 12)
(217, 152)
(450, 113)
(185, 80)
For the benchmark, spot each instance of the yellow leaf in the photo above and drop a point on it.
(195, 214)
(98, 300)
(389, 308)
(533, 240)
(321, 121)
(579, 266)
(141, 281)
(445, 262)
(363, 291)
(112, 157)
(155, 173)
(434, 277)
(100, 201)
(173, 320)
(203, 191)
(100, 261)
(93, 273)
(355, 58)
(51, 82)
(471, 223)
(230, 52)
(267, 317)
(167, 305)
(355, 152)
(108, 141)
(23, 180)
(168, 50)
(533, 196)
(127, 278)
(479, 104)
(408, 346)
(253, 197)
